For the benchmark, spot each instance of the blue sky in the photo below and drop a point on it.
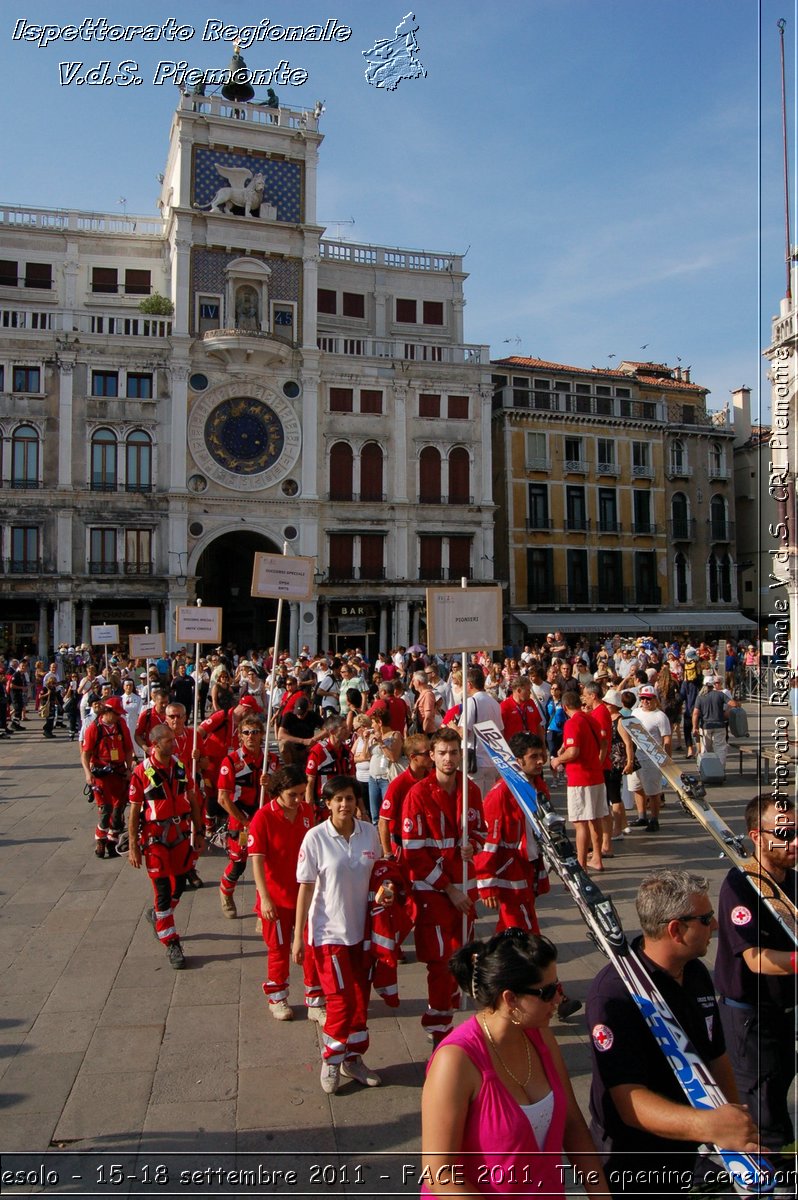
(610, 168)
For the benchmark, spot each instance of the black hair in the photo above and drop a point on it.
(286, 777)
(513, 960)
(339, 783)
(521, 742)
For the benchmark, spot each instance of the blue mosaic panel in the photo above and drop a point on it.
(283, 180)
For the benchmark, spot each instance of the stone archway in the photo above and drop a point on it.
(224, 580)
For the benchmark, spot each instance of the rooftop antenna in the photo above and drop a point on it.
(782, 24)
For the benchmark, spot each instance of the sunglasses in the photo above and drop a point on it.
(784, 833)
(706, 919)
(251, 733)
(546, 993)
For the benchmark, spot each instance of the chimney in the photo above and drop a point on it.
(741, 405)
(686, 374)
(677, 371)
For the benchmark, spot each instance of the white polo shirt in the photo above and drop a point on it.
(341, 870)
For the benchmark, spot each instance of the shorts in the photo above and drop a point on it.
(587, 803)
(646, 779)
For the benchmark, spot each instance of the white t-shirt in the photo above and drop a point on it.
(341, 870)
(654, 721)
(482, 707)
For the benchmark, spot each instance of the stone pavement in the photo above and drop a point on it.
(106, 1051)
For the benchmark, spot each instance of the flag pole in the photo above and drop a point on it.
(464, 818)
(270, 706)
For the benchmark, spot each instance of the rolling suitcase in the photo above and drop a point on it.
(738, 723)
(711, 770)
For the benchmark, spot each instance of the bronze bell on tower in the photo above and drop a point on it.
(237, 88)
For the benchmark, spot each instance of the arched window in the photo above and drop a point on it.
(25, 457)
(341, 471)
(138, 462)
(459, 476)
(717, 519)
(103, 461)
(720, 588)
(678, 456)
(716, 463)
(429, 489)
(371, 472)
(679, 517)
(680, 571)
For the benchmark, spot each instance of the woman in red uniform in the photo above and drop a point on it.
(163, 806)
(107, 757)
(275, 835)
(239, 795)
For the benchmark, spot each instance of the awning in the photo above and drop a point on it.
(669, 621)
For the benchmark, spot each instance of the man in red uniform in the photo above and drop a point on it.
(239, 795)
(432, 824)
(107, 758)
(596, 711)
(189, 755)
(326, 758)
(519, 712)
(150, 718)
(220, 738)
(275, 836)
(416, 751)
(394, 705)
(580, 754)
(163, 807)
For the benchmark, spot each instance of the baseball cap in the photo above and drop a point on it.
(115, 704)
(249, 702)
(646, 690)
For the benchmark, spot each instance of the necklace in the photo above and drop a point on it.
(495, 1048)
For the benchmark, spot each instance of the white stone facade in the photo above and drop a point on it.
(302, 392)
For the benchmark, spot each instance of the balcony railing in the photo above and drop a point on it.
(719, 473)
(347, 497)
(610, 526)
(435, 574)
(721, 531)
(538, 464)
(23, 566)
(138, 568)
(24, 485)
(347, 575)
(577, 524)
(539, 524)
(642, 471)
(682, 530)
(679, 470)
(102, 485)
(72, 219)
(576, 466)
(644, 528)
(138, 487)
(607, 468)
(103, 568)
(398, 348)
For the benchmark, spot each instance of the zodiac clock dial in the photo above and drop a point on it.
(244, 436)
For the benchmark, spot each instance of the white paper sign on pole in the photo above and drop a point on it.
(147, 645)
(199, 624)
(282, 577)
(105, 635)
(463, 619)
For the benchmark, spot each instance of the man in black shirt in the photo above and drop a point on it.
(755, 971)
(639, 1113)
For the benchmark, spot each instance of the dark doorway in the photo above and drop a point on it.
(224, 580)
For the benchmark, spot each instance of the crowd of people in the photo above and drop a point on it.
(342, 781)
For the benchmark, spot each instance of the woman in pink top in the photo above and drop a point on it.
(497, 1091)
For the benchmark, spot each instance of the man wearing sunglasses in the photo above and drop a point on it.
(640, 1115)
(755, 972)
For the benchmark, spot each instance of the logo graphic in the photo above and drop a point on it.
(741, 915)
(407, 825)
(603, 1037)
(390, 60)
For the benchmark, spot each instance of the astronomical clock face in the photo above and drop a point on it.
(244, 441)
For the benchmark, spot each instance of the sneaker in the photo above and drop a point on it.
(281, 1011)
(228, 905)
(626, 831)
(639, 823)
(99, 849)
(177, 959)
(317, 1014)
(567, 1007)
(355, 1068)
(330, 1077)
(652, 826)
(150, 915)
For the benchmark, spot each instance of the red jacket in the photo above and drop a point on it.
(503, 866)
(431, 829)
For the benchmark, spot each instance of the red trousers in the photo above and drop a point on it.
(344, 975)
(110, 794)
(277, 936)
(438, 933)
(517, 911)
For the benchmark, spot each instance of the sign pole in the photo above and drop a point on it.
(194, 746)
(270, 705)
(464, 818)
(147, 669)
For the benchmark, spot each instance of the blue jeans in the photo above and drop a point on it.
(377, 790)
